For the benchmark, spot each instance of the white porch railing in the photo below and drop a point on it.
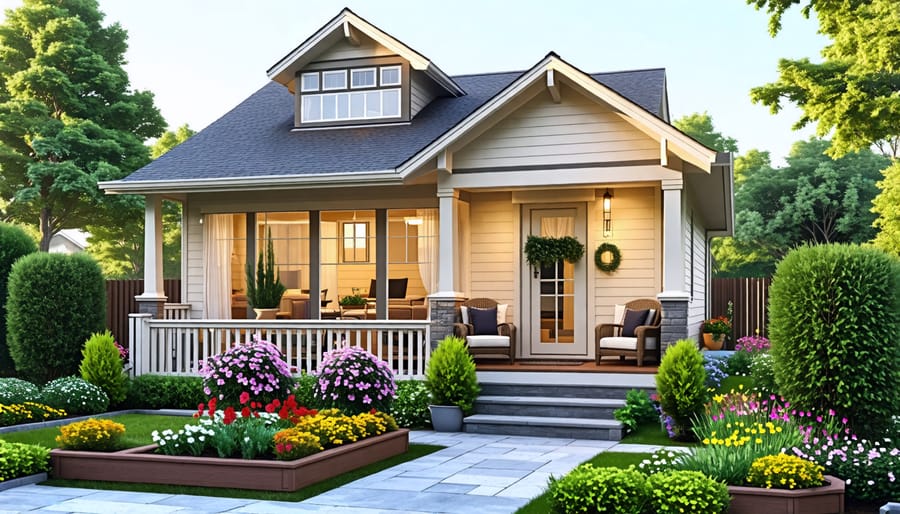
(179, 346)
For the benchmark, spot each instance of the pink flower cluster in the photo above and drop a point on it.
(354, 380)
(256, 367)
(753, 344)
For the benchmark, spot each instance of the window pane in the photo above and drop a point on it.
(310, 82)
(329, 107)
(343, 106)
(362, 78)
(373, 104)
(390, 99)
(390, 76)
(311, 108)
(357, 105)
(334, 79)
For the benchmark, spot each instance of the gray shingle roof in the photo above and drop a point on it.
(255, 138)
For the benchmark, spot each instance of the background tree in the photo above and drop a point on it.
(67, 116)
(700, 127)
(887, 206)
(117, 232)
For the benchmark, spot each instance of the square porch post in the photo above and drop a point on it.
(153, 299)
(444, 302)
(673, 299)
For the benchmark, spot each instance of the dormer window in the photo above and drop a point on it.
(351, 94)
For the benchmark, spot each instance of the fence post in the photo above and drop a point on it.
(139, 343)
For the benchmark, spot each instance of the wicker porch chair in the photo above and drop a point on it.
(610, 341)
(502, 345)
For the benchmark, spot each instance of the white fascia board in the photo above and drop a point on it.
(386, 177)
(593, 176)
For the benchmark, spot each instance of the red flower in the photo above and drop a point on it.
(212, 406)
(230, 416)
(270, 408)
(245, 412)
(373, 411)
(200, 409)
(276, 403)
(245, 397)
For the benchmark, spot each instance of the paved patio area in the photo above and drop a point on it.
(487, 474)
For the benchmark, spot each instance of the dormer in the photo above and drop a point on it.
(350, 73)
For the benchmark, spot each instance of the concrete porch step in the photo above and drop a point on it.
(544, 426)
(591, 408)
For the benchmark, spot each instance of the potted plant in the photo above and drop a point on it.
(714, 332)
(451, 380)
(264, 288)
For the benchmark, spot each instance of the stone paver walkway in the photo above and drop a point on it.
(475, 473)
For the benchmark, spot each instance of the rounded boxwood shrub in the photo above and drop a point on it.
(55, 303)
(834, 323)
(450, 375)
(14, 390)
(14, 243)
(102, 366)
(75, 396)
(165, 392)
(590, 489)
(681, 385)
(686, 491)
(410, 407)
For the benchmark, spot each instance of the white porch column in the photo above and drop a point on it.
(674, 299)
(152, 300)
(442, 304)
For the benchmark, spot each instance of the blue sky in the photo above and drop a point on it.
(202, 57)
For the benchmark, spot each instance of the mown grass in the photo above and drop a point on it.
(138, 428)
(652, 433)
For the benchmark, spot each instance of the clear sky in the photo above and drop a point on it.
(202, 57)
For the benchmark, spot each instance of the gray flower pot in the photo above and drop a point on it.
(446, 418)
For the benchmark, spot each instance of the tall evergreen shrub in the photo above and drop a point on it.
(681, 385)
(14, 243)
(55, 303)
(834, 323)
(102, 366)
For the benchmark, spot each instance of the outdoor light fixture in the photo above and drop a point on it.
(607, 214)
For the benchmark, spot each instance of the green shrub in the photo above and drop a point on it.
(75, 396)
(686, 491)
(165, 392)
(19, 460)
(410, 407)
(55, 303)
(450, 375)
(739, 363)
(102, 366)
(638, 409)
(14, 390)
(304, 391)
(763, 373)
(14, 243)
(590, 489)
(834, 323)
(681, 385)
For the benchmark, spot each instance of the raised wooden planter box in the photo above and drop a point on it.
(828, 499)
(140, 465)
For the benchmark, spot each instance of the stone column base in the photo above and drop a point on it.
(674, 319)
(443, 308)
(152, 305)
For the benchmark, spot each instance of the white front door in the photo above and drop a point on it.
(557, 306)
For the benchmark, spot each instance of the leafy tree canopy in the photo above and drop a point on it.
(700, 127)
(887, 206)
(67, 116)
(854, 93)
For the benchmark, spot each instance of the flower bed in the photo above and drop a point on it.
(141, 465)
(827, 499)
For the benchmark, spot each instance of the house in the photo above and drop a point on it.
(69, 241)
(366, 163)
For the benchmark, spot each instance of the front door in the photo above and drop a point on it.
(557, 292)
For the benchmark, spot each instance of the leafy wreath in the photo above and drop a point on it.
(613, 264)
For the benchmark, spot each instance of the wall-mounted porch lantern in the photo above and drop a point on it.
(607, 214)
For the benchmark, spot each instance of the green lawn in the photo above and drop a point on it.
(137, 430)
(652, 433)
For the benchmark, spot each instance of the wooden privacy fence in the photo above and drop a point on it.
(751, 299)
(120, 303)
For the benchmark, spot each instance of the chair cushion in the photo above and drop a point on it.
(502, 308)
(626, 343)
(484, 321)
(487, 341)
(619, 314)
(633, 319)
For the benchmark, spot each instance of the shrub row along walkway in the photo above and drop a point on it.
(488, 474)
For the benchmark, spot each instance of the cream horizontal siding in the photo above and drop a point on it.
(694, 266)
(193, 288)
(577, 130)
(421, 92)
(343, 50)
(636, 219)
(493, 263)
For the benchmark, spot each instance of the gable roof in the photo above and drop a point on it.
(342, 26)
(254, 146)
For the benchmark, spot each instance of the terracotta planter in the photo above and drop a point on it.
(827, 499)
(140, 465)
(266, 313)
(713, 341)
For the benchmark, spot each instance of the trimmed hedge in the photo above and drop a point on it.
(686, 491)
(19, 460)
(590, 489)
(14, 243)
(834, 323)
(165, 392)
(55, 303)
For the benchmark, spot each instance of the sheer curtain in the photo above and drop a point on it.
(557, 226)
(218, 232)
(429, 250)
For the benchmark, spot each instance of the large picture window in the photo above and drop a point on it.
(327, 97)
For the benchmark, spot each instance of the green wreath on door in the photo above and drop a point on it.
(614, 261)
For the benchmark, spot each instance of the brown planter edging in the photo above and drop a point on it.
(139, 466)
(828, 499)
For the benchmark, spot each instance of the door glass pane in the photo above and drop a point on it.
(557, 288)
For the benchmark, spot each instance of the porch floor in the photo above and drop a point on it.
(560, 366)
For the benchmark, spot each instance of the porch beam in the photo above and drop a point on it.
(350, 34)
(445, 161)
(673, 250)
(663, 152)
(553, 87)
(153, 297)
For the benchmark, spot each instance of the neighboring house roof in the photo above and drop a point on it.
(69, 238)
(255, 139)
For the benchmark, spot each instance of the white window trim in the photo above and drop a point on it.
(303, 87)
(399, 75)
(374, 78)
(334, 72)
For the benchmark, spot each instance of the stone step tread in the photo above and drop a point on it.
(546, 421)
(551, 400)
